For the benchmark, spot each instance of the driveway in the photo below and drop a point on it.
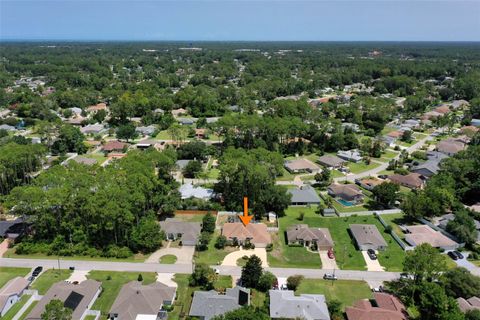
(231, 258)
(467, 264)
(372, 265)
(167, 279)
(3, 247)
(78, 276)
(327, 263)
(184, 254)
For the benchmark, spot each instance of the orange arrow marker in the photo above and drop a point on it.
(245, 218)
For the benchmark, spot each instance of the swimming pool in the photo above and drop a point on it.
(345, 203)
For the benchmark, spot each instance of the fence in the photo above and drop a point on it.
(400, 242)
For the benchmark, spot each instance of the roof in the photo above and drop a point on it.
(10, 226)
(303, 232)
(429, 165)
(305, 194)
(114, 145)
(188, 230)
(97, 107)
(395, 134)
(350, 154)
(255, 232)
(13, 287)
(367, 234)
(300, 164)
(146, 130)
(412, 180)
(92, 128)
(189, 191)
(284, 304)
(77, 296)
(442, 109)
(181, 164)
(472, 303)
(84, 160)
(420, 234)
(7, 127)
(388, 307)
(371, 182)
(135, 298)
(208, 304)
(350, 190)
(330, 161)
(450, 146)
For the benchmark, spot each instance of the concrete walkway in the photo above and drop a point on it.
(327, 263)
(231, 258)
(3, 247)
(372, 265)
(184, 254)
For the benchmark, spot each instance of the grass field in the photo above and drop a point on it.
(346, 291)
(212, 255)
(285, 256)
(362, 166)
(8, 273)
(11, 254)
(111, 288)
(48, 278)
(185, 294)
(257, 298)
(16, 307)
(168, 259)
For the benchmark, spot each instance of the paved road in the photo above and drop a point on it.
(467, 264)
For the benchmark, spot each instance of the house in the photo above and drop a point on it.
(255, 233)
(300, 166)
(469, 304)
(443, 109)
(11, 293)
(385, 307)
(350, 155)
(76, 121)
(411, 180)
(431, 166)
(469, 130)
(347, 192)
(457, 104)
(92, 129)
(411, 123)
(187, 232)
(420, 234)
(146, 131)
(442, 221)
(186, 121)
(178, 112)
(7, 127)
(159, 111)
(97, 107)
(329, 212)
(331, 162)
(395, 134)
(302, 234)
(114, 145)
(284, 304)
(188, 191)
(351, 126)
(181, 164)
(367, 237)
(370, 183)
(77, 297)
(84, 160)
(12, 229)
(388, 141)
(209, 304)
(305, 195)
(76, 111)
(200, 133)
(475, 122)
(147, 143)
(450, 146)
(145, 301)
(210, 120)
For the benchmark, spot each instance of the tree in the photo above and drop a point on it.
(294, 281)
(221, 242)
(203, 276)
(244, 313)
(69, 139)
(460, 283)
(251, 272)
(434, 304)
(407, 136)
(208, 223)
(126, 131)
(203, 241)
(386, 193)
(424, 263)
(147, 236)
(266, 282)
(335, 309)
(463, 227)
(55, 310)
(140, 277)
(192, 169)
(472, 315)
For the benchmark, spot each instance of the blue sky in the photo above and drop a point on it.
(334, 20)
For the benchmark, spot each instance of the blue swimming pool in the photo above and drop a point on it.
(345, 203)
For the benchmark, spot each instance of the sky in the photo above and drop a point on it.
(241, 20)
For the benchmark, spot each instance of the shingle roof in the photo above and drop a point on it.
(209, 304)
(412, 180)
(350, 190)
(114, 145)
(189, 230)
(284, 304)
(305, 194)
(255, 232)
(300, 164)
(450, 146)
(330, 161)
(13, 287)
(424, 234)
(388, 308)
(367, 234)
(303, 232)
(135, 298)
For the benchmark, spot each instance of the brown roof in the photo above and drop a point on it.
(424, 234)
(450, 146)
(411, 180)
(301, 164)
(371, 182)
(442, 109)
(466, 129)
(114, 146)
(388, 307)
(97, 107)
(395, 134)
(350, 190)
(255, 232)
(330, 161)
(303, 232)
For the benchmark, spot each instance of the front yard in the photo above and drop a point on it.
(48, 278)
(362, 166)
(212, 255)
(8, 273)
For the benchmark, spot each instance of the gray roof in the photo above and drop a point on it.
(181, 164)
(208, 304)
(367, 234)
(7, 127)
(84, 292)
(330, 161)
(84, 160)
(284, 304)
(92, 128)
(146, 130)
(135, 298)
(8, 226)
(303, 232)
(350, 155)
(304, 194)
(188, 230)
(13, 287)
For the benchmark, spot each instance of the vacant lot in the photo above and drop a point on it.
(8, 273)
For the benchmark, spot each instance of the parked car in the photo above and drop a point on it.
(31, 278)
(452, 255)
(330, 276)
(383, 176)
(458, 254)
(378, 289)
(217, 271)
(330, 254)
(37, 271)
(371, 253)
(405, 275)
(284, 287)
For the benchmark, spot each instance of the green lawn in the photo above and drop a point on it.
(89, 318)
(212, 255)
(346, 291)
(362, 166)
(8, 273)
(164, 135)
(286, 176)
(336, 174)
(16, 307)
(111, 288)
(213, 173)
(185, 293)
(168, 259)
(257, 298)
(11, 254)
(348, 257)
(100, 157)
(389, 154)
(29, 309)
(48, 278)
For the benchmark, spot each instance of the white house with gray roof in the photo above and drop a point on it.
(367, 237)
(208, 304)
(285, 304)
(11, 293)
(350, 155)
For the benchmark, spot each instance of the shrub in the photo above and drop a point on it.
(269, 247)
(221, 242)
(294, 281)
